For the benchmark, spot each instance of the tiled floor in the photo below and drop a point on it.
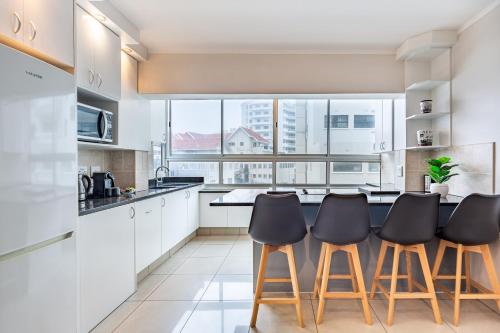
(207, 287)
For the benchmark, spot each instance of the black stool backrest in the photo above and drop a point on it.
(342, 219)
(475, 220)
(412, 219)
(277, 219)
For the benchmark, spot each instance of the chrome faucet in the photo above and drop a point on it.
(159, 181)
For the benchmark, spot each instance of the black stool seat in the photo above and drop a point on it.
(342, 219)
(277, 220)
(412, 219)
(475, 221)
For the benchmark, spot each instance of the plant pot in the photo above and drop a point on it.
(440, 188)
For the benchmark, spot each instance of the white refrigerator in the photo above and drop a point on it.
(38, 199)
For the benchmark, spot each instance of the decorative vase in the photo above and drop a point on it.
(426, 106)
(440, 188)
(424, 137)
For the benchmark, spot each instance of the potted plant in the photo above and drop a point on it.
(440, 172)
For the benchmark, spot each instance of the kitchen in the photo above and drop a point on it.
(147, 152)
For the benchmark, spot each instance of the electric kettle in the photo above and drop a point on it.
(85, 186)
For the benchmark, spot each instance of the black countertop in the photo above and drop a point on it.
(246, 197)
(94, 205)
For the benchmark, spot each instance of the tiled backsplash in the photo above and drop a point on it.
(129, 167)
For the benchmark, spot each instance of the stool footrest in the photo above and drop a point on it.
(277, 300)
(411, 295)
(277, 280)
(342, 295)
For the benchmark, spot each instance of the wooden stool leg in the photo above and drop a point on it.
(439, 258)
(295, 284)
(409, 271)
(490, 269)
(428, 281)
(378, 269)
(324, 283)
(458, 285)
(260, 283)
(394, 282)
(360, 282)
(352, 272)
(319, 271)
(468, 286)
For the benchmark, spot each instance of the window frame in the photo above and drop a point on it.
(275, 157)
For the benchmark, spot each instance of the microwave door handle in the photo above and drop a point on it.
(100, 129)
(105, 132)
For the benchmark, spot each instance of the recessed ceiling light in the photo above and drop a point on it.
(100, 17)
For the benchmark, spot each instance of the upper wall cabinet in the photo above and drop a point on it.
(44, 26)
(98, 62)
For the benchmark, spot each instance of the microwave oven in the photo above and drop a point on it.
(94, 124)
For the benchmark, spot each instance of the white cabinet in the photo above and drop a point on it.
(98, 62)
(147, 232)
(159, 121)
(239, 216)
(193, 209)
(11, 19)
(106, 260)
(384, 128)
(211, 216)
(46, 26)
(133, 110)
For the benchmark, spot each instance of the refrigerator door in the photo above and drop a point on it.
(38, 291)
(38, 182)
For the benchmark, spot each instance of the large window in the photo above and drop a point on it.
(248, 126)
(280, 141)
(195, 126)
(301, 126)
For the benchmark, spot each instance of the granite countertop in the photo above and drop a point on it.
(246, 197)
(94, 205)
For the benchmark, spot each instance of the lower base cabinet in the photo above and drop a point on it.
(106, 263)
(147, 232)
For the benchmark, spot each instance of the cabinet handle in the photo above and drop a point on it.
(163, 202)
(91, 76)
(148, 211)
(99, 80)
(16, 22)
(132, 212)
(32, 35)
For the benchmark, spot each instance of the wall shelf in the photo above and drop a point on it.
(425, 116)
(425, 85)
(436, 147)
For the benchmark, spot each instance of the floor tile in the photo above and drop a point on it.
(282, 318)
(230, 288)
(116, 317)
(241, 249)
(345, 316)
(187, 250)
(169, 266)
(212, 250)
(181, 288)
(474, 316)
(158, 317)
(217, 317)
(218, 239)
(200, 266)
(146, 287)
(237, 265)
(409, 316)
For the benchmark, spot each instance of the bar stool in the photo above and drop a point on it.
(341, 223)
(471, 227)
(411, 222)
(277, 222)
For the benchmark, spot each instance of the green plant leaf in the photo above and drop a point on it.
(444, 159)
(445, 179)
(449, 166)
(434, 162)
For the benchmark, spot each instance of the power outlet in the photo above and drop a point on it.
(94, 168)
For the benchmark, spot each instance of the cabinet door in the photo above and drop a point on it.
(193, 210)
(85, 25)
(134, 110)
(176, 217)
(211, 216)
(106, 260)
(387, 121)
(48, 27)
(147, 232)
(158, 121)
(11, 19)
(239, 216)
(379, 131)
(107, 63)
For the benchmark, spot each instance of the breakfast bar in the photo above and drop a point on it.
(307, 251)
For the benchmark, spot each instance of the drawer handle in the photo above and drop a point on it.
(163, 202)
(16, 26)
(99, 80)
(132, 212)
(32, 35)
(91, 76)
(148, 211)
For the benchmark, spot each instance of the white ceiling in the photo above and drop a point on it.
(311, 26)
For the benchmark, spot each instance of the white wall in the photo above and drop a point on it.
(476, 96)
(476, 85)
